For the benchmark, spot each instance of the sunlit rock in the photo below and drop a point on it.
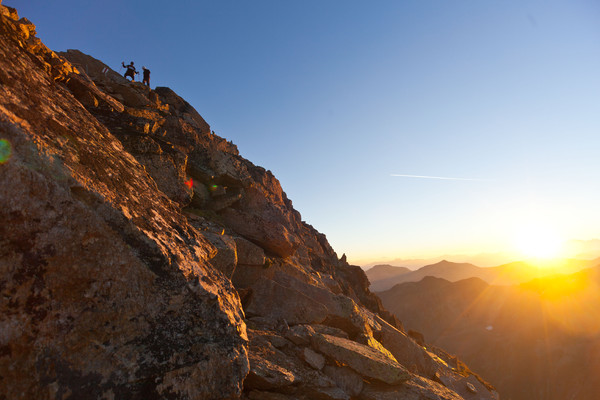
(362, 359)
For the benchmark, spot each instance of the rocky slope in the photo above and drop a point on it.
(545, 332)
(142, 257)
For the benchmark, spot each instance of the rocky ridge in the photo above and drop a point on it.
(142, 257)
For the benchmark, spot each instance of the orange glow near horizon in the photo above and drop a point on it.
(572, 303)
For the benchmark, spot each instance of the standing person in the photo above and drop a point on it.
(146, 80)
(131, 72)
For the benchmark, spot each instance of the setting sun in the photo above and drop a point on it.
(537, 241)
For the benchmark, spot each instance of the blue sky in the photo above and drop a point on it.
(335, 97)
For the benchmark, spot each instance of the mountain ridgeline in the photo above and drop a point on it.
(141, 257)
(384, 277)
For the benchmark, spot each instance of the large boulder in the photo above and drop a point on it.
(315, 360)
(225, 258)
(248, 253)
(345, 378)
(342, 311)
(407, 351)
(418, 388)
(183, 109)
(362, 359)
(88, 94)
(468, 387)
(96, 69)
(268, 234)
(266, 375)
(271, 299)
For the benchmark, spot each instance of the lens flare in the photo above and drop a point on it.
(5, 151)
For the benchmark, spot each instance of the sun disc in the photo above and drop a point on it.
(538, 242)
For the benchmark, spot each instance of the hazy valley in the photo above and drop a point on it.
(534, 338)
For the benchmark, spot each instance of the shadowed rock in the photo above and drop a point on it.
(417, 388)
(345, 378)
(266, 375)
(313, 359)
(272, 299)
(248, 253)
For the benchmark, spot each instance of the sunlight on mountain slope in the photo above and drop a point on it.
(572, 303)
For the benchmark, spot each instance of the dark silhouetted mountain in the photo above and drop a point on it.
(443, 269)
(382, 274)
(507, 274)
(537, 340)
(481, 259)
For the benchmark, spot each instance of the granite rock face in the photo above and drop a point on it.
(106, 288)
(137, 246)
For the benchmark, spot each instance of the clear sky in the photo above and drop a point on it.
(339, 97)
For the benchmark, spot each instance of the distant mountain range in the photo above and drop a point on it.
(482, 259)
(383, 277)
(383, 273)
(575, 249)
(536, 340)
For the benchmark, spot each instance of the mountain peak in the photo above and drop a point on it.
(148, 259)
(450, 263)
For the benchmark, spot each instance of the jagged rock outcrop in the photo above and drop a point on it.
(130, 235)
(107, 291)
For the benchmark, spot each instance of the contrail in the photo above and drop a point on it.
(446, 178)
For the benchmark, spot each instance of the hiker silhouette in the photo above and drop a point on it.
(131, 72)
(146, 80)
